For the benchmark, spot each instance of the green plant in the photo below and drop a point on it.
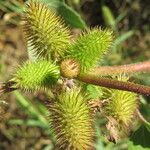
(57, 57)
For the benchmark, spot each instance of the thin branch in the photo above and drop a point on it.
(115, 84)
(130, 68)
(143, 120)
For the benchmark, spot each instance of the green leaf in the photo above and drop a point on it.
(71, 17)
(11, 6)
(120, 17)
(94, 92)
(131, 146)
(28, 122)
(141, 137)
(99, 144)
(122, 38)
(29, 108)
(108, 17)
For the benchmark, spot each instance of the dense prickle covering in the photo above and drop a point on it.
(69, 68)
(90, 47)
(71, 121)
(122, 105)
(45, 31)
(36, 75)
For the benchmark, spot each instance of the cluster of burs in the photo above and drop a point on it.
(56, 56)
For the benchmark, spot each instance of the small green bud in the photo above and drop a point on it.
(108, 17)
(71, 121)
(69, 68)
(36, 75)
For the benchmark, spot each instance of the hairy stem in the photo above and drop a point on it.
(115, 84)
(130, 68)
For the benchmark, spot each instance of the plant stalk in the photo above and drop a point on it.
(115, 84)
(128, 69)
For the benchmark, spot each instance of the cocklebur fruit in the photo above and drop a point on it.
(90, 47)
(71, 121)
(121, 105)
(45, 31)
(36, 75)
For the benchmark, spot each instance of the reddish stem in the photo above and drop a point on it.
(115, 84)
(130, 68)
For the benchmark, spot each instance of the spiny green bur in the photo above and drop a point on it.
(36, 75)
(45, 31)
(90, 47)
(71, 121)
(121, 106)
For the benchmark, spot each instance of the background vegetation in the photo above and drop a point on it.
(23, 125)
